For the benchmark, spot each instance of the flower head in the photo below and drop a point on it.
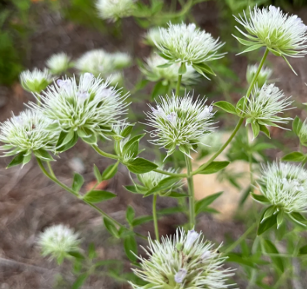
(152, 36)
(58, 241)
(263, 75)
(104, 64)
(35, 81)
(302, 134)
(187, 44)
(285, 186)
(180, 122)
(263, 107)
(153, 72)
(282, 34)
(26, 133)
(87, 109)
(115, 9)
(183, 261)
(59, 63)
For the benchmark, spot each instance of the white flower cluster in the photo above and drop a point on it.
(154, 73)
(89, 108)
(185, 261)
(188, 44)
(104, 64)
(282, 34)
(115, 9)
(180, 121)
(27, 133)
(59, 63)
(152, 36)
(285, 186)
(35, 81)
(263, 75)
(58, 241)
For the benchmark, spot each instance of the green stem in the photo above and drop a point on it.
(250, 160)
(104, 154)
(50, 169)
(66, 188)
(154, 215)
(243, 237)
(178, 85)
(191, 191)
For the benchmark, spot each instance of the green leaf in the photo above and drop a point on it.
(201, 205)
(77, 182)
(267, 224)
(42, 154)
(131, 141)
(65, 137)
(182, 69)
(127, 131)
(111, 227)
(17, 160)
(130, 246)
(159, 89)
(261, 199)
(226, 106)
(110, 171)
(97, 196)
(176, 195)
(297, 125)
(80, 281)
(268, 213)
(76, 255)
(294, 157)
(237, 258)
(130, 214)
(97, 174)
(141, 220)
(251, 48)
(303, 250)
(255, 129)
(212, 168)
(163, 185)
(165, 65)
(270, 248)
(140, 166)
(92, 251)
(133, 189)
(280, 218)
(298, 218)
(265, 130)
(240, 104)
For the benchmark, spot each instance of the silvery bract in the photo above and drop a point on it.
(58, 241)
(179, 122)
(184, 261)
(187, 44)
(154, 73)
(59, 63)
(115, 9)
(26, 133)
(35, 81)
(263, 75)
(285, 187)
(263, 107)
(88, 108)
(282, 34)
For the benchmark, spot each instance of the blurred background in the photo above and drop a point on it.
(30, 32)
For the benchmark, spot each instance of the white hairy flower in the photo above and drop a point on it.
(58, 241)
(263, 75)
(59, 63)
(282, 34)
(184, 261)
(26, 133)
(104, 64)
(180, 121)
(87, 109)
(188, 44)
(115, 9)
(35, 81)
(154, 73)
(264, 105)
(152, 36)
(285, 186)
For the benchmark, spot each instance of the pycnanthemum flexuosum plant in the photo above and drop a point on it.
(58, 63)
(180, 122)
(87, 109)
(36, 80)
(115, 9)
(263, 75)
(183, 261)
(285, 187)
(282, 34)
(58, 241)
(187, 44)
(27, 133)
(153, 72)
(264, 105)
